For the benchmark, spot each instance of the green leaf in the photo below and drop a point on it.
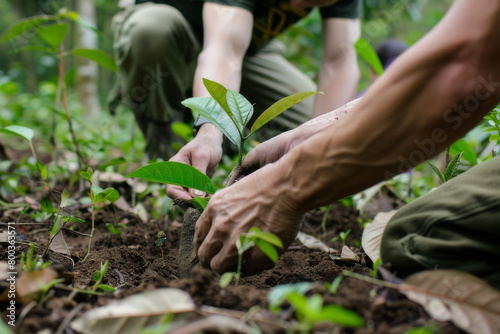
(365, 51)
(87, 175)
(46, 205)
(225, 279)
(55, 228)
(270, 238)
(219, 94)
(112, 162)
(108, 194)
(175, 173)
(100, 57)
(73, 16)
(42, 168)
(96, 276)
(76, 220)
(200, 203)
(104, 268)
(340, 316)
(268, 249)
(468, 153)
(452, 167)
(243, 244)
(53, 34)
(212, 111)
(279, 107)
(314, 304)
(65, 195)
(20, 131)
(106, 288)
(241, 108)
(112, 229)
(21, 26)
(437, 171)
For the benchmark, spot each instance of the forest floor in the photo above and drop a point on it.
(136, 265)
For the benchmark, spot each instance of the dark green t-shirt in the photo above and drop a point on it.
(271, 17)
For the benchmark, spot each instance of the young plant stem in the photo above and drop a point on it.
(66, 108)
(92, 231)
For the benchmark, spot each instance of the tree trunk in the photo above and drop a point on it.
(87, 72)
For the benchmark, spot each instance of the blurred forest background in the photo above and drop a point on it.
(29, 79)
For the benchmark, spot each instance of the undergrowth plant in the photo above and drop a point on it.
(50, 32)
(450, 168)
(98, 276)
(28, 262)
(97, 195)
(254, 237)
(161, 237)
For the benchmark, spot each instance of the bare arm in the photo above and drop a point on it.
(411, 104)
(339, 72)
(227, 34)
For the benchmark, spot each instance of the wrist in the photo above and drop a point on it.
(211, 132)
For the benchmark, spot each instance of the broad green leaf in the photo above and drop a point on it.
(106, 288)
(53, 34)
(279, 107)
(270, 238)
(200, 203)
(225, 279)
(212, 111)
(175, 173)
(437, 171)
(468, 153)
(241, 108)
(21, 26)
(87, 175)
(219, 93)
(65, 195)
(20, 131)
(314, 304)
(100, 57)
(452, 167)
(340, 316)
(267, 249)
(96, 190)
(365, 51)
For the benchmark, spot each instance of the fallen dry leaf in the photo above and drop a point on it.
(372, 234)
(449, 295)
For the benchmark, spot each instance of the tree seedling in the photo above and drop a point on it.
(97, 277)
(161, 237)
(254, 237)
(230, 112)
(97, 195)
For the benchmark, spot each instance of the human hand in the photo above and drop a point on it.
(261, 199)
(203, 153)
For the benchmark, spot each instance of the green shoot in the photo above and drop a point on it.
(343, 236)
(44, 289)
(376, 264)
(28, 262)
(161, 237)
(254, 237)
(97, 277)
(450, 169)
(332, 288)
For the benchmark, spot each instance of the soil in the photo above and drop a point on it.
(135, 265)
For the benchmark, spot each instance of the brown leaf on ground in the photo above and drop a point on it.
(467, 301)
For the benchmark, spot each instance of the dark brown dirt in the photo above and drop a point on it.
(135, 265)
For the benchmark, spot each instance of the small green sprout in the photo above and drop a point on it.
(334, 286)
(376, 264)
(44, 289)
(161, 237)
(451, 168)
(28, 262)
(254, 237)
(97, 277)
(343, 236)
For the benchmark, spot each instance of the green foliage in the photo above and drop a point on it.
(334, 286)
(376, 264)
(20, 131)
(365, 51)
(200, 203)
(450, 169)
(98, 276)
(28, 262)
(174, 173)
(100, 57)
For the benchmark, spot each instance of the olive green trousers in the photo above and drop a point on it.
(156, 52)
(456, 226)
